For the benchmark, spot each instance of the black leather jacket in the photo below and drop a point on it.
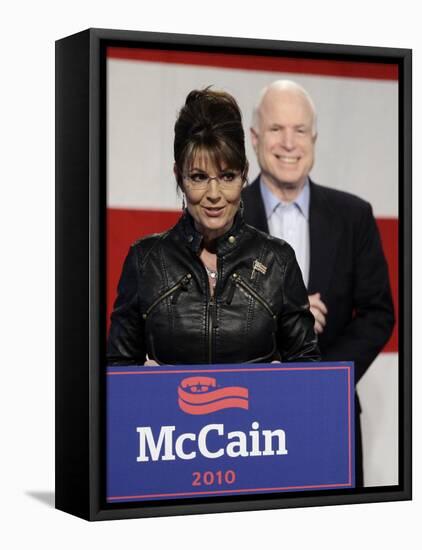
(259, 311)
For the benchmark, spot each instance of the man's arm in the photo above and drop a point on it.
(373, 317)
(319, 311)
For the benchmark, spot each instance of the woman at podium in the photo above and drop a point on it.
(211, 289)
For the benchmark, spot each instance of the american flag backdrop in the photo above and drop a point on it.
(356, 151)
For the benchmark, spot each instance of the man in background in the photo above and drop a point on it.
(333, 233)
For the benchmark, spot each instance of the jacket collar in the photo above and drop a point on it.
(225, 244)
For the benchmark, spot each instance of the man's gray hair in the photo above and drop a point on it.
(281, 85)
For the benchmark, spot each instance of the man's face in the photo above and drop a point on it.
(284, 142)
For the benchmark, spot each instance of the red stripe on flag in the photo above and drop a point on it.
(126, 226)
(228, 403)
(389, 231)
(351, 69)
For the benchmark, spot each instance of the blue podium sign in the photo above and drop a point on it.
(209, 430)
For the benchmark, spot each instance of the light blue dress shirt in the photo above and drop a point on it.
(290, 221)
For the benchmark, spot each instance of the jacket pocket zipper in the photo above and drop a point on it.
(180, 285)
(238, 281)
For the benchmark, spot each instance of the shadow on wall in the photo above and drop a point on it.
(45, 497)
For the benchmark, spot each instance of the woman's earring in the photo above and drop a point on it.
(183, 202)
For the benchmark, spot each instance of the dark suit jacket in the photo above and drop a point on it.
(348, 268)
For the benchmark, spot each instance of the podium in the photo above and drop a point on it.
(176, 432)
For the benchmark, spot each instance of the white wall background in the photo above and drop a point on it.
(27, 276)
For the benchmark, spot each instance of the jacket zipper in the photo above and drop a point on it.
(211, 307)
(181, 284)
(212, 313)
(238, 281)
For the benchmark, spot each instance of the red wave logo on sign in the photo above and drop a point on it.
(200, 395)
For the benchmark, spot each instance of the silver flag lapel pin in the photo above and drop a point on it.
(258, 266)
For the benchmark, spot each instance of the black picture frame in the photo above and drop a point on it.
(80, 271)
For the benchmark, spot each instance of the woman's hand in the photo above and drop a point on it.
(150, 363)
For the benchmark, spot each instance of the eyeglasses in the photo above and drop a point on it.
(200, 180)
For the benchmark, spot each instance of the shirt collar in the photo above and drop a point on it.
(271, 202)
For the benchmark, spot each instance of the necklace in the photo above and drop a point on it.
(212, 274)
